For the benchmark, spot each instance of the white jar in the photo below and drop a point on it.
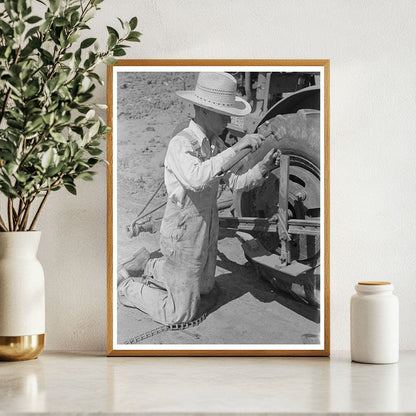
(374, 323)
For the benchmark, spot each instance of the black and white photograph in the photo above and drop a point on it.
(218, 225)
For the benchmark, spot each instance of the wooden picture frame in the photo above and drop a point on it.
(275, 304)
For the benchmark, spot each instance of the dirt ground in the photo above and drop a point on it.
(246, 309)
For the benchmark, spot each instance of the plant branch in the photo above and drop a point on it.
(39, 210)
(18, 216)
(26, 216)
(2, 225)
(21, 214)
(6, 99)
(10, 213)
(57, 54)
(35, 145)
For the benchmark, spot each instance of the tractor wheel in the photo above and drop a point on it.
(296, 135)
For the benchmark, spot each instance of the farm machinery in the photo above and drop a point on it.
(278, 223)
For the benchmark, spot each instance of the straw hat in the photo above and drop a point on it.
(217, 91)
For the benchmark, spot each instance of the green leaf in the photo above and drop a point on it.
(52, 171)
(82, 166)
(8, 191)
(46, 56)
(74, 18)
(134, 36)
(94, 130)
(27, 11)
(20, 28)
(28, 50)
(48, 118)
(33, 19)
(90, 115)
(8, 52)
(110, 60)
(112, 31)
(70, 188)
(5, 28)
(86, 176)
(10, 8)
(67, 56)
(11, 168)
(80, 120)
(21, 177)
(63, 41)
(94, 151)
(64, 93)
(31, 31)
(73, 38)
(92, 161)
(47, 158)
(61, 21)
(77, 130)
(89, 15)
(85, 85)
(67, 153)
(60, 138)
(119, 52)
(53, 83)
(35, 125)
(72, 9)
(78, 154)
(21, 5)
(16, 124)
(121, 22)
(112, 41)
(31, 90)
(5, 146)
(96, 77)
(87, 42)
(54, 4)
(133, 23)
(63, 119)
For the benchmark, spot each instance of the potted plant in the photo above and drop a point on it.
(50, 136)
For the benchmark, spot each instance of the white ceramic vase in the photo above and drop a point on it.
(22, 296)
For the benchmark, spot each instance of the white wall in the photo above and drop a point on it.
(371, 45)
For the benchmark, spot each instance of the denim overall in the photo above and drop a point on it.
(189, 235)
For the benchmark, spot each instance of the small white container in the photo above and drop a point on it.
(374, 323)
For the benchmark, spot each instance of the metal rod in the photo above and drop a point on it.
(283, 208)
(148, 213)
(248, 224)
(149, 201)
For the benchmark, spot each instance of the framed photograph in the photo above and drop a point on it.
(218, 208)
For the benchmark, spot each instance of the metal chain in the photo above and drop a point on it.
(175, 327)
(165, 328)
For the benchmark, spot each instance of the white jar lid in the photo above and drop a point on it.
(374, 283)
(374, 287)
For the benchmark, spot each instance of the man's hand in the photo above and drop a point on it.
(250, 140)
(270, 161)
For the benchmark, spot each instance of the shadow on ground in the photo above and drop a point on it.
(235, 284)
(244, 310)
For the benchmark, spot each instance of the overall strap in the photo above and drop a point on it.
(196, 147)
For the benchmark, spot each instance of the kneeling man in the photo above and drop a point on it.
(169, 288)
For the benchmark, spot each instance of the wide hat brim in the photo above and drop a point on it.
(239, 108)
